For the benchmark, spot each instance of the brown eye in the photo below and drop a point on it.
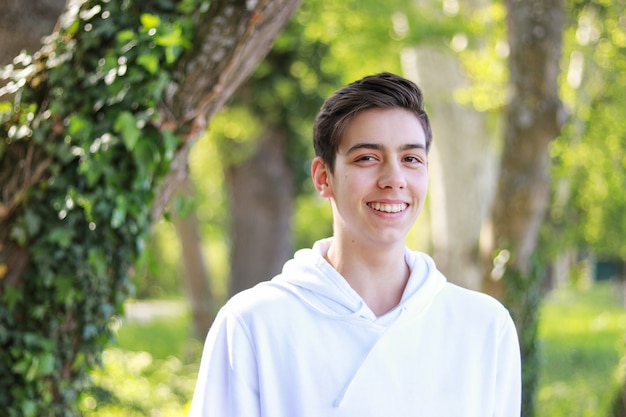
(413, 159)
(365, 158)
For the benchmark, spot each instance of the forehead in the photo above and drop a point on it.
(396, 126)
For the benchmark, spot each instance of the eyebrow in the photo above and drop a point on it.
(380, 147)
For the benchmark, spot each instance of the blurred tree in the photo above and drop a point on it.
(91, 150)
(23, 23)
(533, 119)
(590, 157)
(196, 276)
(588, 203)
(267, 167)
(461, 67)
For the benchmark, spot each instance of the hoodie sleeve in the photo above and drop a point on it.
(227, 380)
(509, 375)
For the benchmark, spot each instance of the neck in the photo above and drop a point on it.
(378, 275)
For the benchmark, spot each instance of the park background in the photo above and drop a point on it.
(247, 203)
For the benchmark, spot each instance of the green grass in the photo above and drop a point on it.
(161, 338)
(150, 370)
(581, 343)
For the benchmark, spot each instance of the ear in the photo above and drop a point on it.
(321, 177)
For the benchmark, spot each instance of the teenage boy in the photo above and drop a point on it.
(359, 325)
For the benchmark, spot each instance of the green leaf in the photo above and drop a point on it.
(147, 156)
(171, 142)
(61, 236)
(21, 366)
(126, 36)
(173, 37)
(45, 364)
(149, 62)
(29, 409)
(64, 289)
(126, 125)
(150, 21)
(79, 126)
(11, 296)
(18, 233)
(119, 212)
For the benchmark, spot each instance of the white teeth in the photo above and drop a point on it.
(388, 208)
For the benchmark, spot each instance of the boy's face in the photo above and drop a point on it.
(380, 179)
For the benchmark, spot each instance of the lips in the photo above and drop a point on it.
(388, 208)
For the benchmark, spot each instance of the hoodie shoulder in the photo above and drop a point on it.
(474, 305)
(264, 296)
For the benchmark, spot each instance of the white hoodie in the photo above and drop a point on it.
(306, 345)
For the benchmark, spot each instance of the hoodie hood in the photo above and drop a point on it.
(313, 280)
(316, 283)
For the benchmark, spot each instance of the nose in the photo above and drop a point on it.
(392, 176)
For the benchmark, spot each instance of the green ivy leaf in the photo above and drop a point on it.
(64, 289)
(126, 125)
(11, 296)
(18, 233)
(61, 236)
(147, 156)
(119, 212)
(150, 21)
(79, 126)
(173, 37)
(45, 364)
(29, 409)
(33, 222)
(171, 142)
(149, 62)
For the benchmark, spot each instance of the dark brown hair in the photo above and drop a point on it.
(384, 90)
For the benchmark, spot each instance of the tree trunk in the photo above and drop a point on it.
(512, 269)
(196, 275)
(262, 201)
(55, 309)
(23, 23)
(230, 43)
(462, 165)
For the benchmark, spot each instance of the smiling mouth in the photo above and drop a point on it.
(388, 208)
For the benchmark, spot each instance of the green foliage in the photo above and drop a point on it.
(312, 220)
(151, 371)
(157, 273)
(87, 100)
(162, 337)
(134, 384)
(590, 156)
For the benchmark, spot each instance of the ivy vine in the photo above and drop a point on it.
(84, 108)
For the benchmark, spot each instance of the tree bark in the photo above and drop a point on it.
(262, 200)
(196, 274)
(23, 23)
(232, 40)
(232, 37)
(462, 166)
(533, 119)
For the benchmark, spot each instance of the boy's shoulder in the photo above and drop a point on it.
(472, 302)
(264, 298)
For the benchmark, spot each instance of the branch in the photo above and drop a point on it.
(230, 43)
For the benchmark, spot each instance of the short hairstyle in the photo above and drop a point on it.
(384, 90)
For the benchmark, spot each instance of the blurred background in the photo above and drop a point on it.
(248, 204)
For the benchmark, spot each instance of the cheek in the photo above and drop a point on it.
(420, 184)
